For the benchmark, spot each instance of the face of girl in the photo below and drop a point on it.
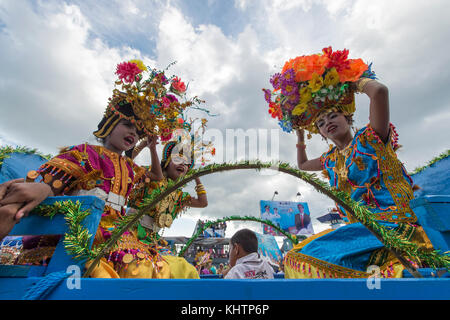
(333, 125)
(177, 167)
(123, 137)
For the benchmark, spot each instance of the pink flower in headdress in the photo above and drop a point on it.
(166, 135)
(178, 85)
(127, 71)
(166, 102)
(172, 98)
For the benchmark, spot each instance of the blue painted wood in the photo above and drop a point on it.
(7, 271)
(219, 289)
(38, 225)
(433, 214)
(17, 165)
(428, 273)
(434, 179)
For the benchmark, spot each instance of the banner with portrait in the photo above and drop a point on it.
(293, 217)
(268, 247)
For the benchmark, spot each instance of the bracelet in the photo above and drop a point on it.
(301, 145)
(199, 186)
(201, 192)
(362, 83)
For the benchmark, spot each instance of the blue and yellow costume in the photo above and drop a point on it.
(367, 169)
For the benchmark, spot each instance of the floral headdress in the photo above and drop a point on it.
(151, 104)
(309, 85)
(189, 140)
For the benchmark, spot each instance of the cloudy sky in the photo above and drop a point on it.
(57, 63)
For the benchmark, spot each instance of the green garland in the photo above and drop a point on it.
(5, 152)
(293, 238)
(77, 238)
(388, 237)
(443, 155)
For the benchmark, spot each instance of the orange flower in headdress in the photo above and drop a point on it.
(305, 66)
(354, 71)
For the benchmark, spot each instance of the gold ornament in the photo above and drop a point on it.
(127, 258)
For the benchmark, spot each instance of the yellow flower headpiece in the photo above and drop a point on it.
(310, 85)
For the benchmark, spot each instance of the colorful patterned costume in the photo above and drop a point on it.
(94, 170)
(368, 170)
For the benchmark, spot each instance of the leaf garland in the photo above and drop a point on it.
(77, 238)
(293, 238)
(440, 157)
(396, 245)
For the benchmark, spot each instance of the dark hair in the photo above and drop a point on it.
(247, 239)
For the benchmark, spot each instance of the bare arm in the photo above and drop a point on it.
(201, 201)
(156, 173)
(28, 195)
(378, 94)
(8, 218)
(302, 159)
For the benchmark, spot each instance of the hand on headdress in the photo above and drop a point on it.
(152, 141)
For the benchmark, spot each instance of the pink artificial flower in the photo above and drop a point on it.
(166, 135)
(178, 85)
(127, 71)
(166, 102)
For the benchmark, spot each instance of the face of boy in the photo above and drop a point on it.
(123, 137)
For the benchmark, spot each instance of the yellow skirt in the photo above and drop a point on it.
(169, 267)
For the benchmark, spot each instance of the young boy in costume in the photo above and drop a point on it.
(318, 94)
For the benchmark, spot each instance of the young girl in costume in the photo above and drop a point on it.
(174, 166)
(317, 95)
(105, 172)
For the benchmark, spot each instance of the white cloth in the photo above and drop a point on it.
(115, 201)
(250, 267)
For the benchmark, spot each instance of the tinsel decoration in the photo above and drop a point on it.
(77, 238)
(440, 157)
(294, 239)
(397, 246)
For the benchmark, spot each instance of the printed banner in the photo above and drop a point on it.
(268, 247)
(293, 217)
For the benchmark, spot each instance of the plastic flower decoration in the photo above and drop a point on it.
(310, 85)
(178, 85)
(158, 102)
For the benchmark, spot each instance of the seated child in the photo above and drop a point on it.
(244, 259)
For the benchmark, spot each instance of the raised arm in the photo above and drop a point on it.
(378, 94)
(156, 173)
(201, 201)
(302, 159)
